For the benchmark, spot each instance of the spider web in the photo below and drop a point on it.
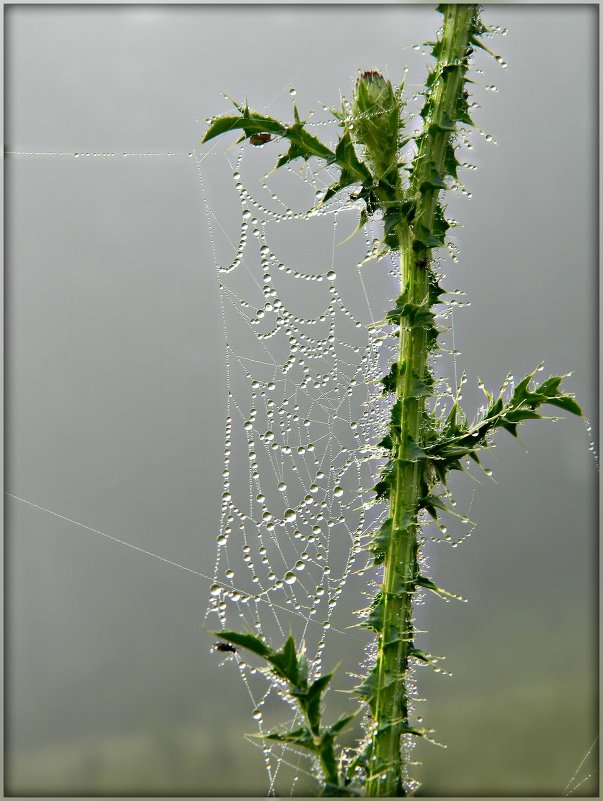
(302, 365)
(302, 300)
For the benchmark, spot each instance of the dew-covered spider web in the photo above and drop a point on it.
(303, 299)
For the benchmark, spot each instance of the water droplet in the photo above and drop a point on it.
(290, 578)
(282, 486)
(215, 590)
(290, 515)
(331, 275)
(338, 492)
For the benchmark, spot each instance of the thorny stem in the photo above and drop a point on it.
(388, 769)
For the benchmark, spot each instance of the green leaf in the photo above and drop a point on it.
(451, 162)
(301, 737)
(353, 171)
(285, 661)
(374, 621)
(433, 180)
(420, 388)
(428, 584)
(349, 163)
(414, 452)
(341, 723)
(420, 655)
(397, 213)
(566, 403)
(425, 239)
(517, 415)
(381, 541)
(250, 124)
(368, 689)
(495, 409)
(248, 641)
(386, 442)
(443, 125)
(389, 380)
(310, 700)
(399, 724)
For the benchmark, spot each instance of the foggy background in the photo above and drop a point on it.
(115, 394)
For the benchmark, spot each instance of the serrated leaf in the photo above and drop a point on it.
(386, 442)
(310, 702)
(420, 388)
(413, 451)
(443, 125)
(425, 239)
(251, 124)
(248, 641)
(451, 162)
(433, 180)
(381, 540)
(397, 213)
(517, 415)
(389, 380)
(285, 661)
(374, 621)
(368, 689)
(341, 724)
(346, 159)
(566, 403)
(302, 737)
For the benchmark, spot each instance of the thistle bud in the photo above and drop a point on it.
(377, 120)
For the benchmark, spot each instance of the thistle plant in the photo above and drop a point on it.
(423, 443)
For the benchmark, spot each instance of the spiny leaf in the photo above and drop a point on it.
(250, 124)
(428, 584)
(341, 723)
(425, 239)
(248, 641)
(381, 541)
(374, 621)
(389, 380)
(368, 689)
(285, 661)
(433, 180)
(302, 737)
(311, 698)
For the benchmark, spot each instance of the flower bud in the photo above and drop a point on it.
(376, 122)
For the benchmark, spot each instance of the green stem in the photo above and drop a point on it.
(387, 768)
